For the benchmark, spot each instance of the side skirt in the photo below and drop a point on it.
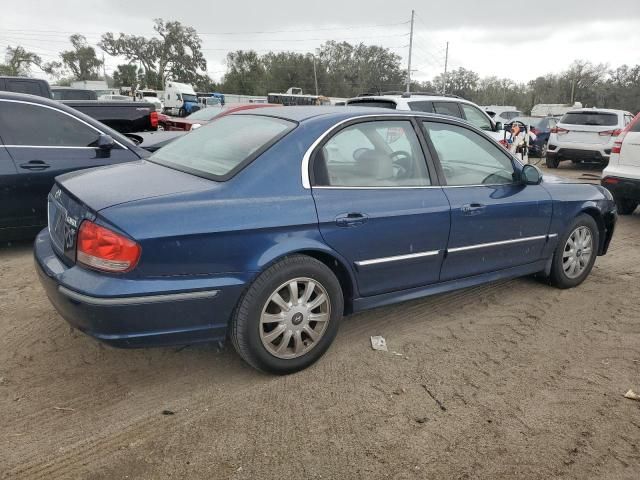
(365, 303)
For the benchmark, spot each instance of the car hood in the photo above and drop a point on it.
(103, 187)
(548, 178)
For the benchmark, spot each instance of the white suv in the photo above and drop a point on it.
(450, 105)
(622, 176)
(586, 135)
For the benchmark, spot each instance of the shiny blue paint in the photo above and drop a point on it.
(198, 234)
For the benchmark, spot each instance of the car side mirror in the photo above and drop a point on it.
(530, 175)
(105, 142)
(498, 126)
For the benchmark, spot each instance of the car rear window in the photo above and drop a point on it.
(374, 103)
(599, 119)
(223, 147)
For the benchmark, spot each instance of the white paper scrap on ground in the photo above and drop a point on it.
(379, 343)
(630, 394)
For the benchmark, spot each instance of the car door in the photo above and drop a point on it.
(44, 142)
(497, 222)
(378, 206)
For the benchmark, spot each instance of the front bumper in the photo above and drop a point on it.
(626, 188)
(137, 313)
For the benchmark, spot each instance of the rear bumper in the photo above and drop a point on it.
(590, 154)
(137, 313)
(619, 187)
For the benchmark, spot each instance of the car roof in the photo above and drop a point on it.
(302, 113)
(410, 97)
(596, 110)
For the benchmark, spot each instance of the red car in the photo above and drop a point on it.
(204, 116)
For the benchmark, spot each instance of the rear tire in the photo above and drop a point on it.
(626, 206)
(276, 328)
(575, 253)
(552, 162)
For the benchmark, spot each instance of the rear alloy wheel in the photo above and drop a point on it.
(289, 316)
(576, 253)
(626, 206)
(552, 162)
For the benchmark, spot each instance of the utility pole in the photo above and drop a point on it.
(413, 13)
(444, 78)
(315, 75)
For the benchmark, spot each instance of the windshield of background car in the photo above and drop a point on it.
(599, 119)
(187, 97)
(206, 113)
(224, 146)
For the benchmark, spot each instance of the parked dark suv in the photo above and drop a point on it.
(39, 140)
(32, 86)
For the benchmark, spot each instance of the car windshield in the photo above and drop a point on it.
(224, 146)
(205, 114)
(600, 119)
(187, 97)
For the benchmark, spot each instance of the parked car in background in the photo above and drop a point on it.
(586, 135)
(269, 225)
(69, 93)
(450, 105)
(125, 117)
(31, 86)
(149, 96)
(541, 128)
(622, 175)
(40, 139)
(502, 113)
(204, 116)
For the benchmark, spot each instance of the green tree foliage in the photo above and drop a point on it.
(18, 61)
(126, 75)
(175, 53)
(81, 62)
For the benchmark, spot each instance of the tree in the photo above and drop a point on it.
(82, 61)
(245, 73)
(176, 53)
(18, 62)
(461, 82)
(125, 76)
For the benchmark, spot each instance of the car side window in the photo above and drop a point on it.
(372, 154)
(421, 106)
(468, 158)
(476, 117)
(32, 125)
(447, 108)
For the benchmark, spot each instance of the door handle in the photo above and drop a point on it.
(35, 165)
(351, 219)
(473, 208)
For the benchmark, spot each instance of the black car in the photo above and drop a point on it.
(541, 128)
(39, 140)
(32, 86)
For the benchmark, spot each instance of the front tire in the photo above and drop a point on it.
(626, 206)
(289, 316)
(576, 253)
(552, 162)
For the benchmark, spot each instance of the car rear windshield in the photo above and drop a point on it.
(599, 119)
(373, 103)
(221, 148)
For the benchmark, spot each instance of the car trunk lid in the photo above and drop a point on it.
(588, 127)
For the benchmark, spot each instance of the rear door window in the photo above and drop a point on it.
(476, 117)
(450, 109)
(372, 154)
(597, 119)
(24, 124)
(421, 106)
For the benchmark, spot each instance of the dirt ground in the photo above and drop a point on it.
(507, 380)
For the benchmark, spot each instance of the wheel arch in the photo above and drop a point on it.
(327, 256)
(595, 213)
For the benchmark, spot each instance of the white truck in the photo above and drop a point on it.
(179, 99)
(149, 96)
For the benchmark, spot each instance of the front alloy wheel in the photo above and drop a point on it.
(577, 252)
(295, 318)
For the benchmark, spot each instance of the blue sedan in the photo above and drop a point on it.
(267, 226)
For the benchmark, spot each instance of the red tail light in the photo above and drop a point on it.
(154, 119)
(105, 250)
(610, 180)
(617, 145)
(559, 130)
(611, 133)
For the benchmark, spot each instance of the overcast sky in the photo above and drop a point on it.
(550, 34)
